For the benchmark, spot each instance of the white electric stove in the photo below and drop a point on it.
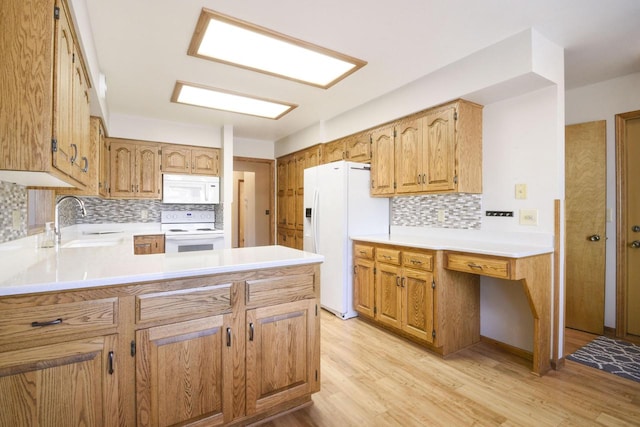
(187, 231)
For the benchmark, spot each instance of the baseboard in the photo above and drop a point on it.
(527, 355)
(609, 332)
(557, 364)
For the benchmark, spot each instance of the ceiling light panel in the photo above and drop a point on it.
(219, 99)
(224, 39)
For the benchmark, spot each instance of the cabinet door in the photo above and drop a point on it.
(282, 192)
(122, 165)
(85, 153)
(292, 183)
(389, 295)
(69, 383)
(409, 174)
(103, 144)
(148, 244)
(176, 159)
(205, 161)
(147, 172)
(183, 373)
(439, 144)
(359, 148)
(301, 161)
(417, 303)
(333, 151)
(382, 162)
(363, 287)
(283, 353)
(63, 94)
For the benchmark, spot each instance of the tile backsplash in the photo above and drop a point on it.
(101, 211)
(458, 210)
(13, 201)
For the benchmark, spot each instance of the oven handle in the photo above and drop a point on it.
(193, 237)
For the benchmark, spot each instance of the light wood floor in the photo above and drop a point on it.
(373, 378)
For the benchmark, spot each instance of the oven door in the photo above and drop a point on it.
(186, 243)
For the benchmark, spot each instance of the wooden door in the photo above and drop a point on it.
(66, 384)
(417, 303)
(364, 287)
(242, 212)
(388, 295)
(628, 223)
(408, 151)
(205, 161)
(63, 94)
(439, 144)
(382, 162)
(282, 355)
(176, 159)
(147, 172)
(585, 210)
(122, 164)
(183, 373)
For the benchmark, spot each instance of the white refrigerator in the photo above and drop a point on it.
(337, 205)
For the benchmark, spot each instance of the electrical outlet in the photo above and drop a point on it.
(17, 220)
(528, 216)
(521, 191)
(144, 214)
(440, 215)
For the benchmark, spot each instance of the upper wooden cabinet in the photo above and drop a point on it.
(333, 151)
(382, 162)
(44, 108)
(358, 147)
(190, 160)
(437, 151)
(135, 169)
(97, 183)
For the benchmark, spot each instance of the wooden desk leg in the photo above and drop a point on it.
(535, 275)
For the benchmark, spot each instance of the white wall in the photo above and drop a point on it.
(253, 148)
(602, 101)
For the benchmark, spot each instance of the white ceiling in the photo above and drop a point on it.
(141, 48)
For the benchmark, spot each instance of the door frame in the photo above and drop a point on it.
(621, 222)
(272, 171)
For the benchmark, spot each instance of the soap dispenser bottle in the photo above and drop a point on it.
(49, 238)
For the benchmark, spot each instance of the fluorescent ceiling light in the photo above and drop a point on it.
(218, 99)
(231, 41)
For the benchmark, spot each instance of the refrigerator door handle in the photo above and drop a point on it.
(314, 221)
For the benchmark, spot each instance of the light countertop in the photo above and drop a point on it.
(511, 245)
(104, 259)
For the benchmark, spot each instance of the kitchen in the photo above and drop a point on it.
(523, 95)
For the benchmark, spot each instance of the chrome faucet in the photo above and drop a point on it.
(56, 224)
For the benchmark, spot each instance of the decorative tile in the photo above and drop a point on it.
(13, 198)
(460, 211)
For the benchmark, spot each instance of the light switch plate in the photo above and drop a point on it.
(528, 216)
(521, 191)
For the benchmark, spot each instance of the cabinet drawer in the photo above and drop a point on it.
(148, 244)
(31, 323)
(389, 256)
(484, 265)
(363, 251)
(418, 260)
(277, 290)
(184, 303)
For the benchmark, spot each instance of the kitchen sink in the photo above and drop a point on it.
(91, 243)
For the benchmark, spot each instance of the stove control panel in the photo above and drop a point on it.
(183, 217)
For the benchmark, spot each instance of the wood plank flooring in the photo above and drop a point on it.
(373, 378)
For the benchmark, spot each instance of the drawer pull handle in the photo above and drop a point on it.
(363, 252)
(403, 281)
(228, 337)
(251, 331)
(415, 261)
(386, 256)
(111, 363)
(49, 323)
(474, 266)
(398, 281)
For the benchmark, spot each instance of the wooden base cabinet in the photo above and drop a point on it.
(409, 291)
(68, 383)
(212, 350)
(281, 350)
(184, 373)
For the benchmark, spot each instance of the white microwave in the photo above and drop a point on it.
(191, 189)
